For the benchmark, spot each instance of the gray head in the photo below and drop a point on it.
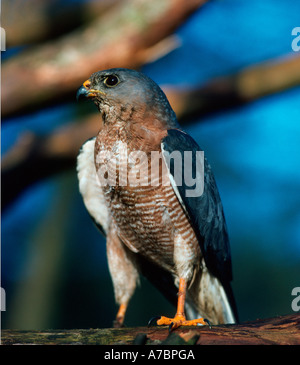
(118, 90)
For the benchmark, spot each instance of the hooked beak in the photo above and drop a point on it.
(85, 92)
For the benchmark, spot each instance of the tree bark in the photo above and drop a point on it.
(282, 330)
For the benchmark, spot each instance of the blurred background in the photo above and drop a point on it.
(231, 75)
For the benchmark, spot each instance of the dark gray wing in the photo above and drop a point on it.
(204, 211)
(90, 188)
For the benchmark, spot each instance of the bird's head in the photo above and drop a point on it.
(121, 93)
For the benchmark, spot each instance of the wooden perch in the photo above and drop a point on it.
(124, 37)
(283, 330)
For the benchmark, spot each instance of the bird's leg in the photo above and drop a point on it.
(180, 319)
(118, 322)
(123, 273)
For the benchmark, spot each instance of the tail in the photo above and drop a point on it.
(209, 298)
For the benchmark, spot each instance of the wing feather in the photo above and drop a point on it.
(205, 211)
(90, 188)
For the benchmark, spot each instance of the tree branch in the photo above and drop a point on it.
(122, 38)
(283, 330)
(33, 157)
(229, 91)
(31, 21)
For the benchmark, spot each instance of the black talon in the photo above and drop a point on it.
(207, 321)
(170, 327)
(150, 323)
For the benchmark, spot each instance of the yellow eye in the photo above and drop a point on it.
(111, 81)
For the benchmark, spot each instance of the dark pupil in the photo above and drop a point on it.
(111, 80)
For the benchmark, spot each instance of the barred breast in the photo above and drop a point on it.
(146, 211)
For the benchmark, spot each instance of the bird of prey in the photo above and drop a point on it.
(155, 227)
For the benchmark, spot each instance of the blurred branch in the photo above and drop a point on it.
(32, 21)
(33, 157)
(123, 37)
(283, 330)
(229, 91)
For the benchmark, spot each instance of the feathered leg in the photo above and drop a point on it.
(123, 272)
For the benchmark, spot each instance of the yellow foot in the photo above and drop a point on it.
(177, 321)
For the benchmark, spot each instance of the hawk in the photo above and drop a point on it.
(154, 227)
